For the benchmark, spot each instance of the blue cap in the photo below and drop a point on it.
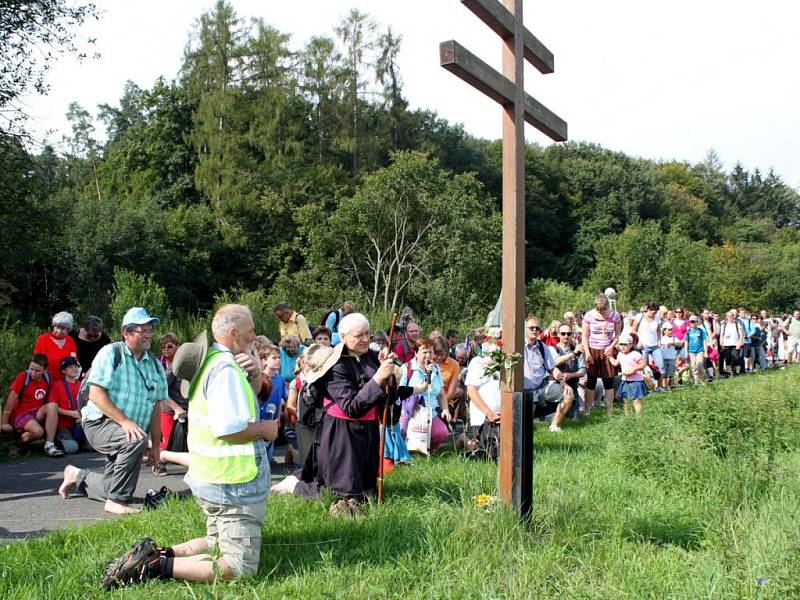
(138, 316)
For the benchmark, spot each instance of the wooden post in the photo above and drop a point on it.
(508, 89)
(513, 490)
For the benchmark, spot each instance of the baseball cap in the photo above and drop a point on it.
(138, 316)
(625, 339)
(694, 319)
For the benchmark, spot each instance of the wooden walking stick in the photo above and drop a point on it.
(385, 419)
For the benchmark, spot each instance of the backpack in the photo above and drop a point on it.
(28, 380)
(83, 392)
(334, 311)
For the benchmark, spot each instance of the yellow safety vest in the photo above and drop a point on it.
(211, 459)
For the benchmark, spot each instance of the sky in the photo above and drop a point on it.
(664, 81)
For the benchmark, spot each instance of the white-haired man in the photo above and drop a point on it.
(350, 381)
(228, 468)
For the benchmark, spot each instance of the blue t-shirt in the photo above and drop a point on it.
(695, 336)
(276, 397)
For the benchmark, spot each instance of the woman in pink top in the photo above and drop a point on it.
(631, 365)
(601, 328)
(680, 323)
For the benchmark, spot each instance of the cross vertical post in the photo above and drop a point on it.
(508, 89)
(516, 485)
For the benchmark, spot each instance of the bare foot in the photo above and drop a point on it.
(286, 486)
(25, 437)
(120, 508)
(70, 479)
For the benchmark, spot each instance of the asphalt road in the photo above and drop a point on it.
(30, 504)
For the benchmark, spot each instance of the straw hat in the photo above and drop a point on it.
(320, 359)
(188, 359)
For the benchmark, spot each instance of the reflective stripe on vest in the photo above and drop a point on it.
(211, 459)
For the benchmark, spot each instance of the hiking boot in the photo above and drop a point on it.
(131, 567)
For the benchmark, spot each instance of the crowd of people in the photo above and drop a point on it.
(220, 409)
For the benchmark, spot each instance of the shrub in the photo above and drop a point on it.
(259, 305)
(131, 289)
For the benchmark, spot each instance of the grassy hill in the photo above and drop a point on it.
(698, 498)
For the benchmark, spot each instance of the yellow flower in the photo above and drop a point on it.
(484, 500)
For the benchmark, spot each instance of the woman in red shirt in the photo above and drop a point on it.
(56, 344)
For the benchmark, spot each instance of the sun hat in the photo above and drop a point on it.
(320, 359)
(188, 359)
(138, 316)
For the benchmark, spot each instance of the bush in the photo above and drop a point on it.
(258, 303)
(16, 346)
(131, 289)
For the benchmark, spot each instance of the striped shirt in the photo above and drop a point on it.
(134, 386)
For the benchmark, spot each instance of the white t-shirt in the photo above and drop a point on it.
(648, 331)
(729, 333)
(488, 388)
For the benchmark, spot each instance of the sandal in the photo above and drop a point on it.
(160, 469)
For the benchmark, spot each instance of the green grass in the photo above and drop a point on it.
(698, 498)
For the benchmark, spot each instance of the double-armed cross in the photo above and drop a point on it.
(507, 89)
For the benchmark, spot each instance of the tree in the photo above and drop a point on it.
(32, 34)
(409, 225)
(355, 31)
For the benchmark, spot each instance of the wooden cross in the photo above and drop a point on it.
(507, 89)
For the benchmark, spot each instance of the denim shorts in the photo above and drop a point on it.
(655, 352)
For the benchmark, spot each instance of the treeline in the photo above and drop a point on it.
(304, 174)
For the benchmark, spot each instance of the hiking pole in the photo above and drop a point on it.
(382, 445)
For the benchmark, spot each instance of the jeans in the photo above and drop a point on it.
(759, 356)
(655, 352)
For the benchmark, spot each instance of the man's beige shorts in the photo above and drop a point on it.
(237, 532)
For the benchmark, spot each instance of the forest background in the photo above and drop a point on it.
(268, 174)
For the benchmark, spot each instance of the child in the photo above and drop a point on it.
(27, 409)
(65, 396)
(683, 371)
(668, 344)
(272, 396)
(631, 365)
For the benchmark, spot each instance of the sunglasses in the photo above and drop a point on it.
(534, 328)
(564, 333)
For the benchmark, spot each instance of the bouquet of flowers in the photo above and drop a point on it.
(501, 362)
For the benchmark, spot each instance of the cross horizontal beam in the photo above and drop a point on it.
(465, 65)
(501, 21)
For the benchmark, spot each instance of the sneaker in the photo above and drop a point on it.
(131, 567)
(555, 428)
(51, 450)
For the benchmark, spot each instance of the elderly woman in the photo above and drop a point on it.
(601, 329)
(56, 344)
(344, 454)
(423, 374)
(290, 350)
(88, 340)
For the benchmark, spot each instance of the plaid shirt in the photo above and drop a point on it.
(125, 385)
